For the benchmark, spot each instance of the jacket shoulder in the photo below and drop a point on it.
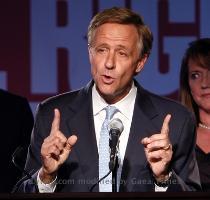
(59, 101)
(8, 96)
(167, 105)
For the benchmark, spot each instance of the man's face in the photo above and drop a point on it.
(114, 57)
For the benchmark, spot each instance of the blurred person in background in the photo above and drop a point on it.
(16, 122)
(195, 94)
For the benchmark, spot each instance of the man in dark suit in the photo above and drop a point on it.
(16, 122)
(156, 147)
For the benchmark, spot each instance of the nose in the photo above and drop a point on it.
(110, 60)
(206, 80)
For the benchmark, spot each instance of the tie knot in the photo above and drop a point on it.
(110, 111)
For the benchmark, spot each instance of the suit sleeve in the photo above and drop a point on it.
(185, 173)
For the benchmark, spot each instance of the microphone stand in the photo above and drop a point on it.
(113, 163)
(93, 186)
(27, 174)
(114, 175)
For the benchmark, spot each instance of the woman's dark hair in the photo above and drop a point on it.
(198, 52)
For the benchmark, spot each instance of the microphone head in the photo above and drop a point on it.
(116, 124)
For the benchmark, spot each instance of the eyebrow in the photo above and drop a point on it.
(105, 44)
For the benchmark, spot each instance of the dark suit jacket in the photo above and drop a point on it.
(16, 123)
(80, 171)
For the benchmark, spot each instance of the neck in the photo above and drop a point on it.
(204, 119)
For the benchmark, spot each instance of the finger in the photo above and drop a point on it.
(56, 121)
(145, 141)
(155, 137)
(57, 142)
(54, 150)
(59, 136)
(47, 151)
(155, 155)
(158, 144)
(165, 127)
(166, 148)
(159, 155)
(71, 142)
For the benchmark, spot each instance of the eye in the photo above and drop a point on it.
(194, 75)
(101, 50)
(122, 53)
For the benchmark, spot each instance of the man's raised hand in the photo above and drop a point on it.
(55, 150)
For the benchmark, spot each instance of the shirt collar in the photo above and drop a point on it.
(125, 105)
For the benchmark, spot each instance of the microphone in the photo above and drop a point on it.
(16, 158)
(115, 129)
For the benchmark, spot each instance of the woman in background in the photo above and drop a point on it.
(195, 94)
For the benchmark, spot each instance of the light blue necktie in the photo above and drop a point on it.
(104, 155)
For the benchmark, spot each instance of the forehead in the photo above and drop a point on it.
(196, 65)
(117, 33)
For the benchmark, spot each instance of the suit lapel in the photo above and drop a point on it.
(135, 169)
(81, 123)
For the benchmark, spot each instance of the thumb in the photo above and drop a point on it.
(69, 145)
(71, 142)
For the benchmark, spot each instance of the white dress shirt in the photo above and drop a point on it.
(125, 114)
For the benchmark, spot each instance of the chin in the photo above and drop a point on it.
(106, 88)
(107, 92)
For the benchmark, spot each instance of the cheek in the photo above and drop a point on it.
(193, 87)
(96, 64)
(93, 71)
(125, 68)
(195, 92)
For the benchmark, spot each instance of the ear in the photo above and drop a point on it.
(141, 63)
(89, 52)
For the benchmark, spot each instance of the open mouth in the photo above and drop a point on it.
(107, 79)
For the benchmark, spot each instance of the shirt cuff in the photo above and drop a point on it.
(163, 186)
(160, 189)
(46, 188)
